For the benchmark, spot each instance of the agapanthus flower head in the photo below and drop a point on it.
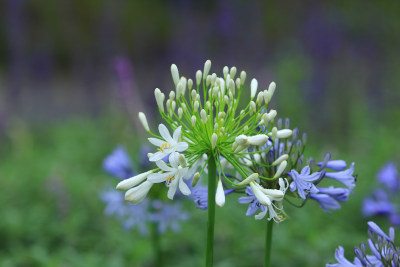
(383, 251)
(389, 176)
(208, 125)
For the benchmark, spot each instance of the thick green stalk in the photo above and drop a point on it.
(156, 245)
(212, 181)
(268, 239)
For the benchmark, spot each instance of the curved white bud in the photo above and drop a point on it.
(159, 99)
(207, 67)
(258, 140)
(280, 159)
(138, 193)
(143, 120)
(261, 197)
(284, 133)
(175, 74)
(249, 179)
(253, 88)
(133, 181)
(220, 195)
(281, 168)
(241, 139)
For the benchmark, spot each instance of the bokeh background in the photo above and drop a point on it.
(74, 74)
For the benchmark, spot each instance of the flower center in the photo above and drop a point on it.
(170, 178)
(164, 146)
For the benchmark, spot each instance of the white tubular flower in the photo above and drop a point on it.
(261, 197)
(172, 176)
(159, 99)
(281, 168)
(253, 88)
(220, 195)
(133, 181)
(175, 74)
(280, 159)
(169, 144)
(252, 177)
(241, 139)
(258, 140)
(138, 193)
(143, 120)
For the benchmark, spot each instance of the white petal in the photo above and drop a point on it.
(258, 140)
(184, 188)
(274, 193)
(177, 134)
(158, 177)
(182, 146)
(158, 155)
(174, 160)
(284, 133)
(220, 195)
(172, 189)
(261, 215)
(164, 133)
(163, 166)
(133, 181)
(156, 141)
(138, 193)
(261, 197)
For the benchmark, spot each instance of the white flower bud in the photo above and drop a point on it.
(253, 106)
(238, 82)
(284, 133)
(213, 78)
(198, 77)
(253, 88)
(198, 97)
(222, 85)
(196, 178)
(143, 120)
(242, 76)
(175, 74)
(232, 86)
(252, 177)
(220, 195)
(182, 161)
(257, 157)
(183, 105)
(171, 95)
(208, 80)
(193, 94)
(232, 73)
(173, 106)
(193, 120)
(226, 99)
(241, 139)
(281, 168)
(245, 128)
(159, 99)
(208, 105)
(138, 193)
(225, 70)
(260, 98)
(207, 67)
(179, 89)
(133, 181)
(272, 114)
(271, 89)
(214, 139)
(180, 113)
(280, 159)
(261, 197)
(183, 87)
(257, 140)
(196, 106)
(203, 116)
(190, 84)
(273, 133)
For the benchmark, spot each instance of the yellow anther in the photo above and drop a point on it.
(164, 146)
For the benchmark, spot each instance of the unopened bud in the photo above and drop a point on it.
(193, 120)
(214, 139)
(225, 70)
(198, 77)
(182, 161)
(253, 88)
(232, 73)
(249, 179)
(280, 170)
(190, 84)
(180, 113)
(196, 178)
(280, 159)
(242, 77)
(143, 120)
(175, 74)
(203, 116)
(207, 67)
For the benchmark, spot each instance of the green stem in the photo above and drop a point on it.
(212, 181)
(268, 239)
(156, 245)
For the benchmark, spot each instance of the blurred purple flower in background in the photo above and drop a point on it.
(119, 165)
(384, 201)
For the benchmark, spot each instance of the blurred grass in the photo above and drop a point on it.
(52, 216)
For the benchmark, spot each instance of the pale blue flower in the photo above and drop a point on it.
(303, 181)
(326, 202)
(118, 163)
(389, 176)
(254, 204)
(342, 261)
(336, 165)
(338, 193)
(168, 216)
(345, 177)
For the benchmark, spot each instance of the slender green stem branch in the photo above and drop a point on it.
(268, 239)
(156, 245)
(212, 181)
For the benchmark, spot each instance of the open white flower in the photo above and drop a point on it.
(172, 176)
(169, 145)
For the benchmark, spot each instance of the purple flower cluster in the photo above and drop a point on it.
(382, 248)
(118, 164)
(383, 201)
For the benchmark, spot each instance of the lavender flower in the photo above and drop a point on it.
(383, 201)
(389, 176)
(326, 202)
(345, 177)
(251, 199)
(382, 247)
(303, 181)
(118, 164)
(168, 216)
(200, 196)
(336, 165)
